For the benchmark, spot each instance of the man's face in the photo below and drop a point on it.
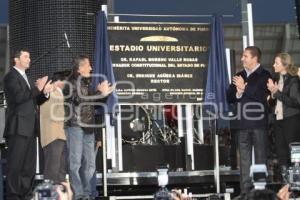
(248, 60)
(23, 61)
(85, 68)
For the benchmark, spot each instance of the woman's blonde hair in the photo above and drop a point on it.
(287, 62)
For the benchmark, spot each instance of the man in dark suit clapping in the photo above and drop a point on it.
(22, 96)
(248, 94)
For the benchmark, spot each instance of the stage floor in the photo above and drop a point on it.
(175, 178)
(145, 183)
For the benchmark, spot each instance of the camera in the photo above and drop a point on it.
(259, 174)
(47, 190)
(292, 176)
(163, 194)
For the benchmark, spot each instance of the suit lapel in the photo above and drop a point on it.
(21, 79)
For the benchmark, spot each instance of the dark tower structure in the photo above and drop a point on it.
(297, 6)
(39, 25)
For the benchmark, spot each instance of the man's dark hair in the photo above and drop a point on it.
(18, 52)
(254, 51)
(60, 75)
(78, 59)
(76, 64)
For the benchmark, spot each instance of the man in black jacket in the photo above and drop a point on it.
(248, 93)
(22, 96)
(80, 122)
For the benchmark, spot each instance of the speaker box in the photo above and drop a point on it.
(40, 27)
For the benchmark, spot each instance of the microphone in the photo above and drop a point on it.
(66, 37)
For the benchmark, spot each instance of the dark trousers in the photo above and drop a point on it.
(55, 161)
(286, 132)
(233, 149)
(247, 139)
(21, 163)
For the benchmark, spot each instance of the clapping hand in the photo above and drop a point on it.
(49, 87)
(105, 88)
(41, 82)
(272, 86)
(240, 84)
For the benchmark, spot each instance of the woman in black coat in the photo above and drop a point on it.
(287, 109)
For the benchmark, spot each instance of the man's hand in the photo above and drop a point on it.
(49, 87)
(41, 82)
(240, 84)
(272, 86)
(98, 144)
(284, 193)
(105, 88)
(68, 195)
(177, 195)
